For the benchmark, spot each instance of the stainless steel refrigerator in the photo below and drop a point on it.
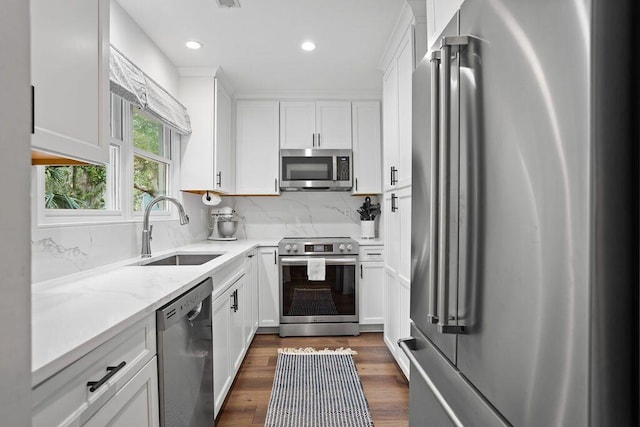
(524, 291)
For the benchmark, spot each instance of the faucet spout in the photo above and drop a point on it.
(146, 228)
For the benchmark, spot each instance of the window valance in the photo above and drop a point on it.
(132, 84)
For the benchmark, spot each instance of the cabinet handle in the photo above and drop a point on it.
(361, 272)
(374, 253)
(313, 139)
(276, 185)
(219, 181)
(394, 205)
(33, 109)
(318, 139)
(356, 184)
(234, 305)
(394, 175)
(111, 371)
(275, 258)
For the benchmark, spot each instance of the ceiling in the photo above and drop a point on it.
(258, 45)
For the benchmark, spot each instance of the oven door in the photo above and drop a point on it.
(334, 299)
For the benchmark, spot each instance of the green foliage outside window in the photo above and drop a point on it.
(75, 187)
(149, 176)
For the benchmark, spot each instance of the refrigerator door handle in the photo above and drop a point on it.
(444, 319)
(407, 345)
(432, 314)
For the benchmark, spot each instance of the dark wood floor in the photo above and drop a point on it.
(384, 384)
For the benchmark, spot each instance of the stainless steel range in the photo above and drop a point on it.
(318, 286)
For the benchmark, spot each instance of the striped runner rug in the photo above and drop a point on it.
(317, 388)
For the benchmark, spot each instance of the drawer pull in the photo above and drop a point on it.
(111, 371)
(377, 253)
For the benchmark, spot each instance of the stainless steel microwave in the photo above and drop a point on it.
(316, 170)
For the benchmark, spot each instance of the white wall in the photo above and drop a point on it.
(328, 214)
(64, 249)
(128, 38)
(15, 289)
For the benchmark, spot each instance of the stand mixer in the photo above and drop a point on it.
(223, 224)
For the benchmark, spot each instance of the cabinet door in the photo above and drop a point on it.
(197, 158)
(257, 147)
(135, 404)
(391, 312)
(390, 124)
(251, 297)
(403, 239)
(269, 295)
(221, 364)
(70, 72)
(405, 72)
(404, 324)
(237, 340)
(371, 293)
(333, 125)
(367, 151)
(391, 232)
(298, 125)
(224, 172)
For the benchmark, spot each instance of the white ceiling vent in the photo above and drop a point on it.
(228, 3)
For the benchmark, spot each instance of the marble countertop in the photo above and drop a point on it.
(73, 315)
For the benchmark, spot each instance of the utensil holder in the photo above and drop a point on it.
(367, 229)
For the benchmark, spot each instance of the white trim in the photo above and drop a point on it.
(293, 95)
(404, 21)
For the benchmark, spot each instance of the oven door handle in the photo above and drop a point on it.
(328, 261)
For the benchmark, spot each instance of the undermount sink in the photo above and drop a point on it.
(181, 259)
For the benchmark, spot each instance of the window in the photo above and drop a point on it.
(140, 168)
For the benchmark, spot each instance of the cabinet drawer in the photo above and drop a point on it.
(66, 398)
(371, 253)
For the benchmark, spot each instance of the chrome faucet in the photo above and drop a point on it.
(146, 228)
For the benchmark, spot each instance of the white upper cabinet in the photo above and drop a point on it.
(257, 141)
(439, 13)
(333, 125)
(315, 125)
(405, 73)
(390, 127)
(70, 73)
(367, 166)
(206, 153)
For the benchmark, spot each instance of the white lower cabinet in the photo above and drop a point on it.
(115, 396)
(268, 280)
(371, 288)
(136, 404)
(251, 299)
(396, 316)
(234, 326)
(221, 359)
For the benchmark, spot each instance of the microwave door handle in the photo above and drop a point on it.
(335, 167)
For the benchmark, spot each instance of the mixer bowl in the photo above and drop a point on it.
(227, 228)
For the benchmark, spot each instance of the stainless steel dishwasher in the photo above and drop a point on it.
(185, 359)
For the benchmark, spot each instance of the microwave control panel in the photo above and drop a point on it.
(343, 169)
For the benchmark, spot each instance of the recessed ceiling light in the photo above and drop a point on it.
(192, 44)
(308, 46)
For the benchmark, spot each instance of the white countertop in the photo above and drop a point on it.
(74, 314)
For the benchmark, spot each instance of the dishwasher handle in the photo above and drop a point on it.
(195, 312)
(184, 306)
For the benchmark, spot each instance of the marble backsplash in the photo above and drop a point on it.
(297, 215)
(68, 249)
(62, 250)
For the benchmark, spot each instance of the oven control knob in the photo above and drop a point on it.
(349, 247)
(295, 248)
(341, 247)
(287, 248)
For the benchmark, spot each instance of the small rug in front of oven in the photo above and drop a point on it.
(312, 302)
(317, 388)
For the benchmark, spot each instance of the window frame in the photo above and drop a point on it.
(122, 184)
